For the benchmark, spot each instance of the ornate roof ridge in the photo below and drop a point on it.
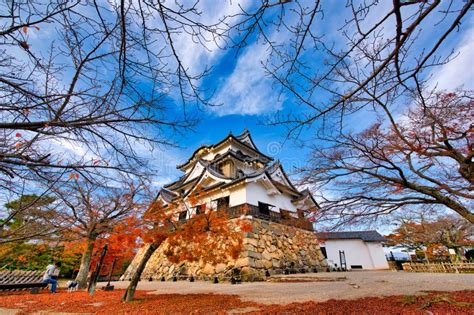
(228, 137)
(167, 195)
(207, 165)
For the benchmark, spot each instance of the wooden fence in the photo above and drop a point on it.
(439, 267)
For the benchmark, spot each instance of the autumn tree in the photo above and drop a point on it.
(334, 59)
(30, 217)
(92, 212)
(420, 158)
(428, 234)
(356, 62)
(87, 87)
(453, 232)
(208, 235)
(121, 240)
(22, 255)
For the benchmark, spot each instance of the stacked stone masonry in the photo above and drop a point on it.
(270, 246)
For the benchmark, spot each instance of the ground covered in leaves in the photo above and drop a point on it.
(460, 302)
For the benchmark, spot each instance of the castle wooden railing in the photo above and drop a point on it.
(439, 267)
(273, 216)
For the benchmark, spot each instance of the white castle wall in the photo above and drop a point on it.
(251, 193)
(369, 255)
(256, 192)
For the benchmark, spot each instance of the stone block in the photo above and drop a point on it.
(250, 241)
(267, 264)
(253, 262)
(254, 255)
(220, 268)
(242, 262)
(276, 254)
(208, 269)
(249, 247)
(266, 255)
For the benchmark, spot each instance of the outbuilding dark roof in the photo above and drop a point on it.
(367, 236)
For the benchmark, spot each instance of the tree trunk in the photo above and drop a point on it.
(81, 277)
(461, 210)
(130, 292)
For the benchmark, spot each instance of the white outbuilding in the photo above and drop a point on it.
(353, 250)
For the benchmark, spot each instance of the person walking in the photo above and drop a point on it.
(51, 275)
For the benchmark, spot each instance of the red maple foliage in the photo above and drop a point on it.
(122, 242)
(460, 302)
(208, 235)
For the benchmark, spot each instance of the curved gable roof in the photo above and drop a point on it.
(221, 180)
(278, 167)
(246, 138)
(238, 139)
(366, 236)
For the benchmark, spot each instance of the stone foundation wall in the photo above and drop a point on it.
(269, 246)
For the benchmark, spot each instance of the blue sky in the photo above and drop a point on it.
(249, 97)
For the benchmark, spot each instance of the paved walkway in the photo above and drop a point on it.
(356, 285)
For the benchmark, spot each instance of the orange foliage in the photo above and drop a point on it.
(209, 235)
(436, 236)
(122, 244)
(108, 302)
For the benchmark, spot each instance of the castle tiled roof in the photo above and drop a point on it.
(238, 139)
(206, 164)
(367, 236)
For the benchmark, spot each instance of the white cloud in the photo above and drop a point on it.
(197, 53)
(458, 72)
(247, 91)
(161, 160)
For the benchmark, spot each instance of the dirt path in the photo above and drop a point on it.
(357, 285)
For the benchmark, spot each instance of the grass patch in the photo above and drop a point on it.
(444, 299)
(408, 300)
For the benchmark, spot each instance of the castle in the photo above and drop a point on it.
(236, 175)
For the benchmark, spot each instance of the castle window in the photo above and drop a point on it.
(264, 208)
(182, 216)
(223, 203)
(220, 203)
(198, 209)
(323, 251)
